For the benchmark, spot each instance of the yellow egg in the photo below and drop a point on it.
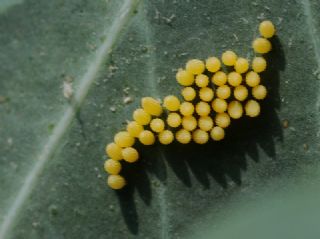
(252, 108)
(114, 151)
(222, 120)
(200, 137)
(157, 125)
(151, 106)
(234, 78)
(213, 64)
(223, 92)
(112, 166)
(134, 129)
(203, 108)
(217, 133)
(195, 66)
(174, 120)
(123, 139)
(166, 137)
(146, 137)
(202, 80)
(252, 79)
(189, 123)
(141, 116)
(259, 64)
(219, 78)
(205, 123)
(183, 136)
(130, 154)
(235, 109)
(242, 65)
(171, 103)
(267, 29)
(184, 78)
(219, 105)
(206, 94)
(259, 92)
(186, 108)
(116, 182)
(188, 93)
(240, 92)
(261, 45)
(229, 58)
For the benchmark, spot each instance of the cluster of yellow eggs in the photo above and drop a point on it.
(211, 98)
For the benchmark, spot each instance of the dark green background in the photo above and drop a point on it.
(173, 190)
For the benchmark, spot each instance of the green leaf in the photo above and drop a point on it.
(52, 148)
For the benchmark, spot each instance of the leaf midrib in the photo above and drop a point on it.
(102, 54)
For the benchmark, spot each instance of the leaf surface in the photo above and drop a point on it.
(51, 161)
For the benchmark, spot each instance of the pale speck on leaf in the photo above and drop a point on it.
(127, 100)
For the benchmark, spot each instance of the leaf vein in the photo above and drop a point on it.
(63, 125)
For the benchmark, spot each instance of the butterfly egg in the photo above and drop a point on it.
(171, 103)
(202, 80)
(252, 108)
(223, 92)
(157, 125)
(174, 120)
(252, 79)
(217, 133)
(219, 105)
(116, 181)
(241, 65)
(114, 151)
(112, 166)
(229, 58)
(235, 109)
(267, 29)
(261, 45)
(183, 136)
(203, 108)
(205, 123)
(141, 117)
(123, 139)
(259, 92)
(259, 64)
(200, 136)
(234, 78)
(240, 92)
(130, 154)
(189, 123)
(206, 94)
(195, 66)
(219, 78)
(166, 137)
(151, 106)
(186, 108)
(213, 64)
(146, 137)
(188, 93)
(134, 129)
(222, 120)
(184, 78)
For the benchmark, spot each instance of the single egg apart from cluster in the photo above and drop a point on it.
(214, 93)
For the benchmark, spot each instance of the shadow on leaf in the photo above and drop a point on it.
(222, 161)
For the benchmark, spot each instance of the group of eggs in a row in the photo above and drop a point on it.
(181, 121)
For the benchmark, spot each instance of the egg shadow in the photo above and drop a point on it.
(228, 158)
(222, 160)
(137, 177)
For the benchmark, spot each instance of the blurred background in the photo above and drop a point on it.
(73, 71)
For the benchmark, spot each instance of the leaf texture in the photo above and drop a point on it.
(118, 49)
